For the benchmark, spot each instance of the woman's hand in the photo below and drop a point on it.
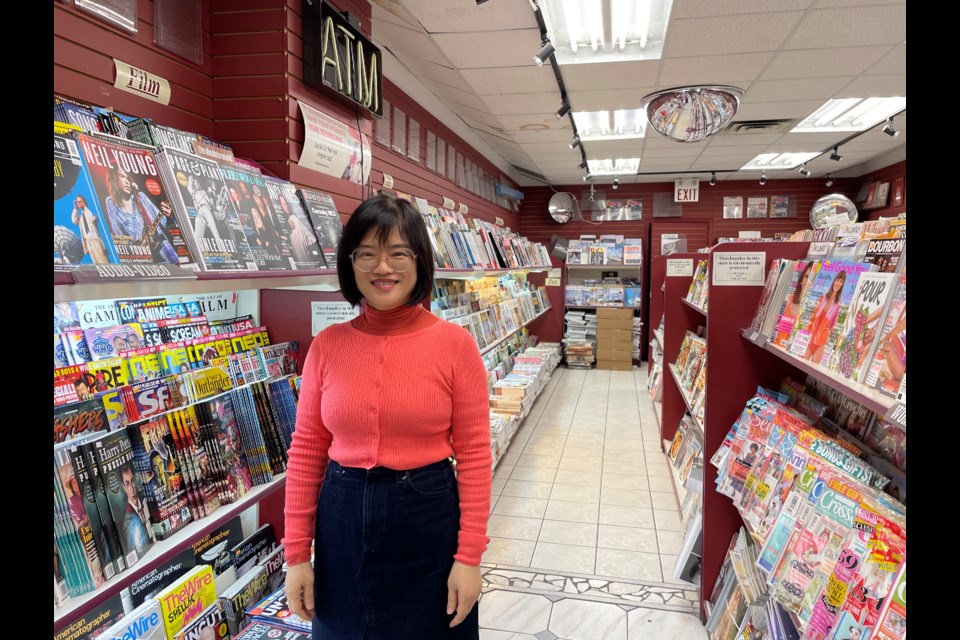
(299, 589)
(463, 590)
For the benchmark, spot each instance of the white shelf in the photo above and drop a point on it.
(603, 267)
(163, 551)
(493, 346)
(476, 274)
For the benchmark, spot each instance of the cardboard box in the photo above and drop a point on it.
(613, 365)
(615, 354)
(614, 313)
(612, 336)
(622, 324)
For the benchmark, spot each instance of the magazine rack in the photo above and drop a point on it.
(735, 368)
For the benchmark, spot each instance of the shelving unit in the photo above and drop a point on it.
(579, 272)
(165, 550)
(659, 336)
(696, 308)
(686, 398)
(498, 342)
(734, 369)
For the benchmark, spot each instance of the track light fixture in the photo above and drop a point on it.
(545, 52)
(575, 142)
(829, 182)
(583, 165)
(804, 171)
(616, 183)
(563, 110)
(713, 179)
(587, 177)
(835, 156)
(763, 178)
(889, 130)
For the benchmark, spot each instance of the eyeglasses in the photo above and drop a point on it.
(398, 260)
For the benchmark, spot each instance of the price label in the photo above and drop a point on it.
(463, 208)
(498, 221)
(448, 203)
(680, 267)
(123, 272)
(387, 181)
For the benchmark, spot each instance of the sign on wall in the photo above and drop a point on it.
(141, 83)
(338, 56)
(333, 148)
(686, 190)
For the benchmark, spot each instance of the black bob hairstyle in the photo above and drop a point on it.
(384, 214)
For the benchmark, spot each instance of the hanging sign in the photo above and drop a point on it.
(448, 203)
(680, 267)
(387, 180)
(686, 190)
(141, 83)
(324, 314)
(741, 268)
(463, 208)
(333, 148)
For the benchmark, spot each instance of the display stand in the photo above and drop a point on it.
(678, 319)
(658, 267)
(734, 370)
(578, 272)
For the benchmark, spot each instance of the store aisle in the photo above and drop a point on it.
(584, 528)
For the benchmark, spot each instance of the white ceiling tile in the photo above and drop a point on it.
(500, 140)
(744, 139)
(894, 62)
(663, 164)
(396, 14)
(827, 4)
(729, 69)
(513, 48)
(609, 75)
(789, 90)
(817, 63)
(614, 148)
(511, 80)
(703, 8)
(561, 153)
(823, 139)
(777, 110)
(729, 34)
(458, 15)
(606, 100)
(514, 122)
(539, 148)
(879, 86)
(408, 43)
(441, 73)
(477, 115)
(795, 146)
(654, 140)
(545, 135)
(448, 93)
(751, 150)
(513, 104)
(482, 126)
(679, 151)
(861, 26)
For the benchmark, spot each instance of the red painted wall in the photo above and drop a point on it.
(887, 174)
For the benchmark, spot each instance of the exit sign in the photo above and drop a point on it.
(686, 190)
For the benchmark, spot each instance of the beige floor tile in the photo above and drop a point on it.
(576, 493)
(625, 516)
(493, 634)
(579, 464)
(564, 557)
(543, 449)
(572, 511)
(534, 474)
(516, 553)
(619, 455)
(584, 453)
(538, 439)
(664, 500)
(660, 483)
(624, 480)
(627, 538)
(543, 462)
(588, 442)
(622, 444)
(661, 469)
(626, 468)
(635, 565)
(666, 520)
(522, 507)
(513, 527)
(585, 478)
(649, 624)
(669, 542)
(513, 611)
(626, 497)
(527, 489)
(583, 620)
(582, 534)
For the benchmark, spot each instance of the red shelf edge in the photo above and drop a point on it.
(686, 400)
(698, 309)
(872, 400)
(174, 545)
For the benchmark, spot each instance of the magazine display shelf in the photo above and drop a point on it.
(498, 342)
(594, 270)
(67, 289)
(872, 399)
(476, 274)
(523, 416)
(696, 308)
(658, 271)
(734, 370)
(659, 337)
(686, 399)
(163, 551)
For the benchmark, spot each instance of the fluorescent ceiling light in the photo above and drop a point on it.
(606, 30)
(850, 114)
(775, 161)
(614, 167)
(610, 125)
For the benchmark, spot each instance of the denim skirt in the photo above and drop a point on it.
(385, 541)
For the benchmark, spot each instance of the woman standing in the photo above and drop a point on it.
(386, 400)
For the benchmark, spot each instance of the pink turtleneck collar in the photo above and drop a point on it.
(394, 322)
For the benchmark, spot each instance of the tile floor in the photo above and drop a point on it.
(584, 527)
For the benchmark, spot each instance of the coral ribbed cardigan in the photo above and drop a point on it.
(397, 401)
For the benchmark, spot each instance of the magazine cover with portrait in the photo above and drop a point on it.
(248, 193)
(202, 201)
(295, 225)
(80, 233)
(136, 207)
